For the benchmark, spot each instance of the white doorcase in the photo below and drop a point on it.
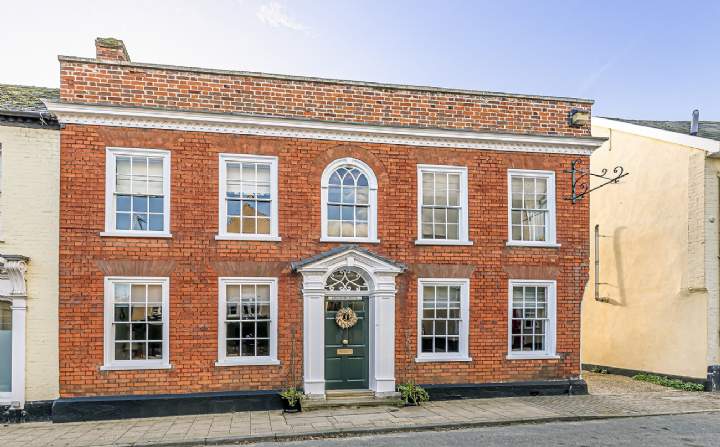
(380, 277)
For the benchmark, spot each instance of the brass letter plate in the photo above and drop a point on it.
(344, 351)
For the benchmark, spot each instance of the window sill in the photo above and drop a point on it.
(135, 367)
(532, 245)
(537, 356)
(442, 359)
(362, 240)
(233, 237)
(441, 242)
(137, 234)
(248, 362)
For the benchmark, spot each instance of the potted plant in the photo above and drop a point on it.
(291, 398)
(412, 394)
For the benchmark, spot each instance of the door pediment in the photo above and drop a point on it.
(348, 256)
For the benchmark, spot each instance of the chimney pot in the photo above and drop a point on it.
(695, 123)
(111, 49)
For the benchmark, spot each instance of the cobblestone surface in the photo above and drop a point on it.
(266, 425)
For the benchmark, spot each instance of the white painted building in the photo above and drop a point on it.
(29, 200)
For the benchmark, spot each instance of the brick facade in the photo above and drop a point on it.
(193, 259)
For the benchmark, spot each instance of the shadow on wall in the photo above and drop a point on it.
(619, 288)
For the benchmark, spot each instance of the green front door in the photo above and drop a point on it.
(346, 350)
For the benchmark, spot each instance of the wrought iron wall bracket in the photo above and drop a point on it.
(581, 179)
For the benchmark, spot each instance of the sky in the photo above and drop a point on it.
(636, 59)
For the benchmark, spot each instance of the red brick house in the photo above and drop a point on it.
(224, 233)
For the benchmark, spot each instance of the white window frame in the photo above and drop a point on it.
(463, 229)
(550, 230)
(110, 184)
(223, 359)
(372, 236)
(109, 348)
(223, 234)
(462, 354)
(551, 327)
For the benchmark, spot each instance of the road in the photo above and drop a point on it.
(689, 430)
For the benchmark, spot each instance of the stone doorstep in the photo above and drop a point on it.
(351, 399)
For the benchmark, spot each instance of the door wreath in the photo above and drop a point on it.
(346, 318)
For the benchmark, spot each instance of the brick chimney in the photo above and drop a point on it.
(111, 49)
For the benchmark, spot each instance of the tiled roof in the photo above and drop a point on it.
(23, 98)
(706, 129)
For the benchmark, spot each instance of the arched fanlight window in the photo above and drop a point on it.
(345, 280)
(349, 199)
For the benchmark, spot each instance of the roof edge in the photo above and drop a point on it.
(255, 74)
(706, 144)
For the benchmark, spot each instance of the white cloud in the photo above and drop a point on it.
(275, 15)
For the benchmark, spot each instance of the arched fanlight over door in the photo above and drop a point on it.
(346, 280)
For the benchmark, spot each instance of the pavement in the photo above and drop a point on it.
(611, 397)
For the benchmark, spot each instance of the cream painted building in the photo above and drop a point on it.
(29, 199)
(652, 301)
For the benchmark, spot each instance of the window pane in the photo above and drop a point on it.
(122, 351)
(157, 221)
(348, 229)
(155, 167)
(139, 166)
(233, 330)
(122, 293)
(122, 203)
(155, 186)
(233, 171)
(248, 347)
(263, 347)
(122, 313)
(122, 184)
(363, 195)
(263, 209)
(155, 332)
(263, 173)
(441, 189)
(248, 172)
(361, 230)
(248, 226)
(138, 351)
(334, 228)
(232, 348)
(428, 189)
(139, 185)
(122, 165)
(233, 225)
(137, 313)
(139, 331)
(263, 226)
(154, 350)
(122, 331)
(348, 195)
(156, 204)
(334, 194)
